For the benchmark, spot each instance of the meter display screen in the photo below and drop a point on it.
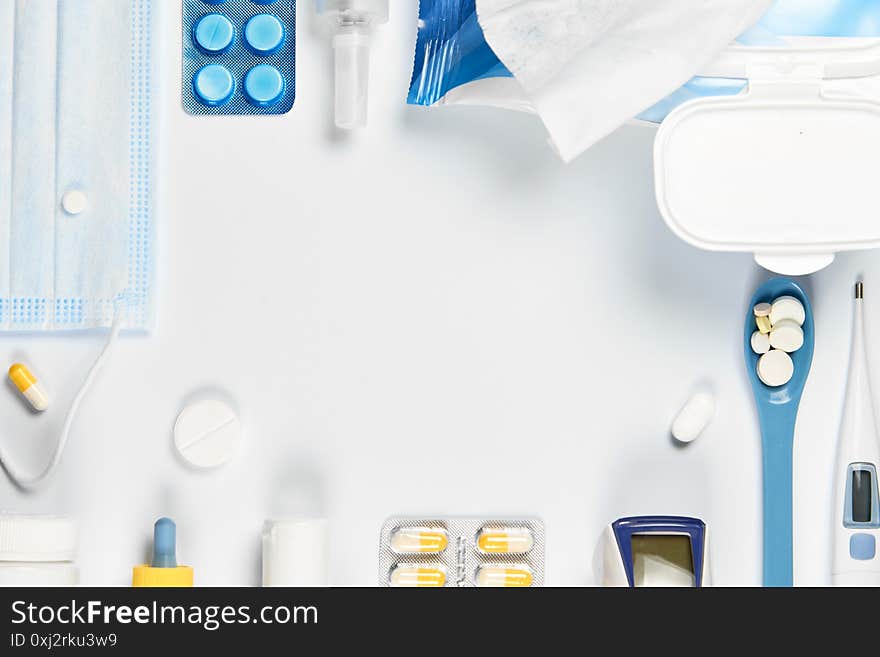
(862, 493)
(663, 560)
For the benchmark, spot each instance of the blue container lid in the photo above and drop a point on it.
(264, 85)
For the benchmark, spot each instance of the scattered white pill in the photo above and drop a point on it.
(787, 335)
(760, 342)
(694, 417)
(787, 308)
(207, 434)
(74, 202)
(775, 368)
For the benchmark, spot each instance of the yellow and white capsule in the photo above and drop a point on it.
(418, 540)
(504, 576)
(418, 576)
(505, 540)
(762, 317)
(29, 387)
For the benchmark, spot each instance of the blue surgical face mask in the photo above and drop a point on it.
(77, 132)
(76, 164)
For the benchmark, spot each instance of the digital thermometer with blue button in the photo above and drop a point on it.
(653, 551)
(856, 504)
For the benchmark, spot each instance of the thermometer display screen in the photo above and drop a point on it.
(662, 560)
(862, 492)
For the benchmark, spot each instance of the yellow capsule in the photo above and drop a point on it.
(504, 576)
(505, 540)
(418, 540)
(762, 317)
(29, 387)
(418, 576)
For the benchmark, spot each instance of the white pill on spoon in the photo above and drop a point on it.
(786, 335)
(760, 342)
(787, 308)
(775, 368)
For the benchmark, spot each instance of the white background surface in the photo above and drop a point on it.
(433, 316)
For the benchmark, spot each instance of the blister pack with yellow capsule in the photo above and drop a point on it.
(463, 552)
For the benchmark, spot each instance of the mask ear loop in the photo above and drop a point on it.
(26, 482)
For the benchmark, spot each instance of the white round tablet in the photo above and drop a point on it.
(694, 417)
(760, 342)
(787, 308)
(207, 434)
(74, 202)
(787, 335)
(775, 368)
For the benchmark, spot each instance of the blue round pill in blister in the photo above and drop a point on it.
(264, 2)
(264, 85)
(214, 85)
(214, 34)
(264, 34)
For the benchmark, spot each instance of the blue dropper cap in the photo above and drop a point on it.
(164, 544)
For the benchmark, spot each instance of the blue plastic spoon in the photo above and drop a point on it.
(777, 412)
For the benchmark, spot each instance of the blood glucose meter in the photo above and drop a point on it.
(653, 551)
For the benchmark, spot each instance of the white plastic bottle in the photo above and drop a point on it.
(295, 552)
(37, 550)
(351, 22)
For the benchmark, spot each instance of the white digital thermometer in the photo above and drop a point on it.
(856, 503)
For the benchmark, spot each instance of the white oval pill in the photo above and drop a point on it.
(694, 417)
(775, 368)
(787, 308)
(787, 335)
(207, 434)
(760, 342)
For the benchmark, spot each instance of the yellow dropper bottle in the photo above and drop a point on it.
(163, 571)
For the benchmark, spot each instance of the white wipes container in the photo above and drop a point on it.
(37, 550)
(785, 170)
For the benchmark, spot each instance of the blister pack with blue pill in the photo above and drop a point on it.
(239, 56)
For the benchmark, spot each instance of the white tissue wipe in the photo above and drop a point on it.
(588, 66)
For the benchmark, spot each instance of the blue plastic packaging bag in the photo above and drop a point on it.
(450, 51)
